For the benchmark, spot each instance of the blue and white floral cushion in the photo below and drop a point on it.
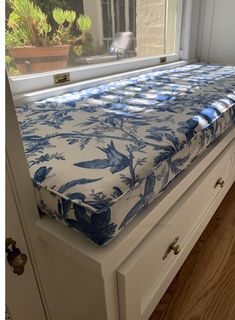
(98, 156)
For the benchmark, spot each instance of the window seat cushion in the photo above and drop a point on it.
(98, 156)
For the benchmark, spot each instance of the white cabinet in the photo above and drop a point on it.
(145, 275)
(22, 293)
(126, 279)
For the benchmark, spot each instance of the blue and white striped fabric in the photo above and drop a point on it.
(98, 156)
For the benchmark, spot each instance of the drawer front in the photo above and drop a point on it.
(141, 277)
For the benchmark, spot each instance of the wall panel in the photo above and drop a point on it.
(216, 38)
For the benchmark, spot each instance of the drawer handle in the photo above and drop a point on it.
(173, 247)
(15, 258)
(220, 182)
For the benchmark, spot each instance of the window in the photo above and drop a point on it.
(118, 16)
(107, 20)
(44, 38)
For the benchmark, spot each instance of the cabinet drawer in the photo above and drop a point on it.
(145, 275)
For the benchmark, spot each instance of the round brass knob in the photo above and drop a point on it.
(176, 248)
(15, 258)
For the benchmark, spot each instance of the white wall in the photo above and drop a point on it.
(216, 38)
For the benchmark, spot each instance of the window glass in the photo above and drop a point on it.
(57, 34)
(107, 19)
(119, 15)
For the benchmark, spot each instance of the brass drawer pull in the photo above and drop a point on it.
(15, 258)
(220, 182)
(173, 247)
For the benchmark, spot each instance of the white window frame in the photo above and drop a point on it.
(31, 87)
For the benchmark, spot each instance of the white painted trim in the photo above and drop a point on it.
(28, 83)
(208, 8)
(179, 29)
(186, 26)
(53, 91)
(191, 11)
(201, 21)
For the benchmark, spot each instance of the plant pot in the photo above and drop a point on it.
(40, 59)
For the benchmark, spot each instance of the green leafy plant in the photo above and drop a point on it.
(87, 48)
(27, 25)
(12, 70)
(65, 20)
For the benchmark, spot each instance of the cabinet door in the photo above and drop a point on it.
(22, 294)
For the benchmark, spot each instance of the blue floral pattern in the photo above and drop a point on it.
(98, 156)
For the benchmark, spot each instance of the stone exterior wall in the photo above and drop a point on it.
(150, 27)
(150, 23)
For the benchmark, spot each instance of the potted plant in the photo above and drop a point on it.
(32, 43)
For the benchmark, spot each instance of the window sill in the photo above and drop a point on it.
(36, 95)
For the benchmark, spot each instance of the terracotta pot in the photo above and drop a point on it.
(39, 59)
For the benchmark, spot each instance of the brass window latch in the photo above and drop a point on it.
(15, 258)
(61, 78)
(172, 247)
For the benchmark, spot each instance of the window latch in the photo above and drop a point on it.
(61, 78)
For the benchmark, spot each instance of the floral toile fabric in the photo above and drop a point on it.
(99, 156)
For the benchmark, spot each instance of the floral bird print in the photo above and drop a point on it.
(116, 160)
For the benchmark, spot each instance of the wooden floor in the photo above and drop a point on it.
(204, 288)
